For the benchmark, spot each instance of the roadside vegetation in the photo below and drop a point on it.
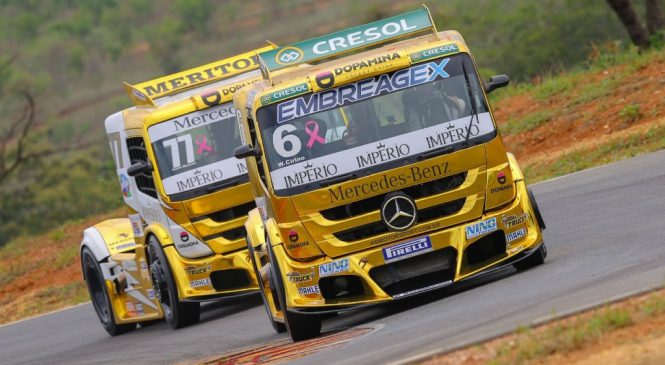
(71, 56)
(628, 331)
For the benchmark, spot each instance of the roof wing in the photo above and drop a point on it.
(144, 93)
(348, 40)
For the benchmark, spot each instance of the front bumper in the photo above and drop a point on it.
(423, 263)
(213, 277)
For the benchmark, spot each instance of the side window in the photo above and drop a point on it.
(137, 153)
(255, 141)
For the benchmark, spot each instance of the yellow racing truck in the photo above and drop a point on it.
(188, 198)
(378, 172)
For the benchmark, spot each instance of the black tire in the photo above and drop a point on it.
(178, 314)
(535, 259)
(99, 296)
(536, 210)
(300, 326)
(279, 327)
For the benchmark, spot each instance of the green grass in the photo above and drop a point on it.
(529, 345)
(630, 113)
(527, 123)
(66, 256)
(654, 305)
(618, 149)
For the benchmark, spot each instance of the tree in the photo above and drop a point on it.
(640, 36)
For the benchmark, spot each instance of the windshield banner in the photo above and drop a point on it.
(372, 154)
(362, 90)
(206, 175)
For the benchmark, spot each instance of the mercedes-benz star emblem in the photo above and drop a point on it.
(398, 211)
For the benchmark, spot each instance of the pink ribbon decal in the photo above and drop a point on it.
(313, 134)
(202, 144)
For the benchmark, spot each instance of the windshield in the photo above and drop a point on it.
(194, 152)
(374, 124)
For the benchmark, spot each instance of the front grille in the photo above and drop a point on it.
(229, 279)
(228, 214)
(230, 235)
(374, 203)
(416, 272)
(424, 215)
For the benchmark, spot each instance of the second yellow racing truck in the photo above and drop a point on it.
(187, 196)
(378, 172)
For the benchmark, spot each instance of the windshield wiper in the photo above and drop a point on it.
(337, 179)
(432, 153)
(222, 184)
(474, 109)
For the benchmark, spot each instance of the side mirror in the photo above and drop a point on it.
(497, 82)
(246, 150)
(139, 168)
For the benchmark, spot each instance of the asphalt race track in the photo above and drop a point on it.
(605, 239)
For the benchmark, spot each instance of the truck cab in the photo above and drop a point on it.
(378, 172)
(183, 241)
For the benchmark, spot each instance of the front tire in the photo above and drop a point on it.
(277, 326)
(99, 296)
(300, 326)
(178, 314)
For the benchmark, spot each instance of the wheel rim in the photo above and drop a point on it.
(160, 285)
(96, 290)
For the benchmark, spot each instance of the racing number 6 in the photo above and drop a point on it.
(279, 138)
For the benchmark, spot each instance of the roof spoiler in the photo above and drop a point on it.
(407, 25)
(144, 93)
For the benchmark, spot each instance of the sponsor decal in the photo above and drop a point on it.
(293, 246)
(138, 94)
(145, 273)
(124, 246)
(335, 267)
(307, 290)
(125, 187)
(435, 52)
(413, 175)
(427, 288)
(216, 70)
(501, 188)
(190, 121)
(513, 219)
(199, 283)
(481, 228)
(184, 236)
(515, 249)
(453, 133)
(345, 40)
(293, 236)
(501, 177)
(399, 235)
(282, 94)
(151, 294)
(310, 173)
(357, 69)
(198, 270)
(188, 244)
(407, 249)
(215, 97)
(129, 265)
(139, 309)
(510, 237)
(130, 308)
(297, 277)
(361, 90)
(383, 154)
(325, 79)
(137, 225)
(398, 211)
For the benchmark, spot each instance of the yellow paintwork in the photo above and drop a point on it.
(278, 215)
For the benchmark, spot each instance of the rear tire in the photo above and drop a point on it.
(178, 314)
(279, 327)
(300, 326)
(535, 259)
(101, 301)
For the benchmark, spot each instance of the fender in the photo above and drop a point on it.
(254, 228)
(162, 234)
(515, 168)
(110, 237)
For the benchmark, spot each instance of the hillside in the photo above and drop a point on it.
(613, 110)
(72, 56)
